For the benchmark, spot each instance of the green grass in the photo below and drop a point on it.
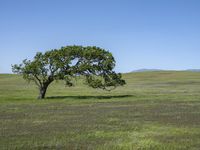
(154, 111)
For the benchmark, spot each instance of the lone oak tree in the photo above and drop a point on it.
(93, 63)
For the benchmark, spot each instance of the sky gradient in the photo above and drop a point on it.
(162, 34)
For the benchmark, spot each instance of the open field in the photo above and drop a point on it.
(154, 111)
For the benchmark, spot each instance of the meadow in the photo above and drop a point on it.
(153, 111)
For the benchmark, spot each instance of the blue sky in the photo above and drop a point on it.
(162, 34)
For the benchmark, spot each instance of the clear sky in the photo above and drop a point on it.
(162, 34)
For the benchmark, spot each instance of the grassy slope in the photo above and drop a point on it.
(155, 110)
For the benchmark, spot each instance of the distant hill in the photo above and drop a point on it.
(193, 70)
(147, 70)
(153, 70)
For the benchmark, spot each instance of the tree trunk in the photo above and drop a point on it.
(43, 88)
(42, 92)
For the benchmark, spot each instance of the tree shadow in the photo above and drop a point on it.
(89, 97)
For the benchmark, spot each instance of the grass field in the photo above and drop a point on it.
(154, 111)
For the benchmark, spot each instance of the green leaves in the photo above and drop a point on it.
(94, 63)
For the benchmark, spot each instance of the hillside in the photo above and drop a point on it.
(155, 110)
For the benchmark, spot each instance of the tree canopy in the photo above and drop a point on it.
(93, 63)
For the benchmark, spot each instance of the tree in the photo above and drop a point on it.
(93, 63)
